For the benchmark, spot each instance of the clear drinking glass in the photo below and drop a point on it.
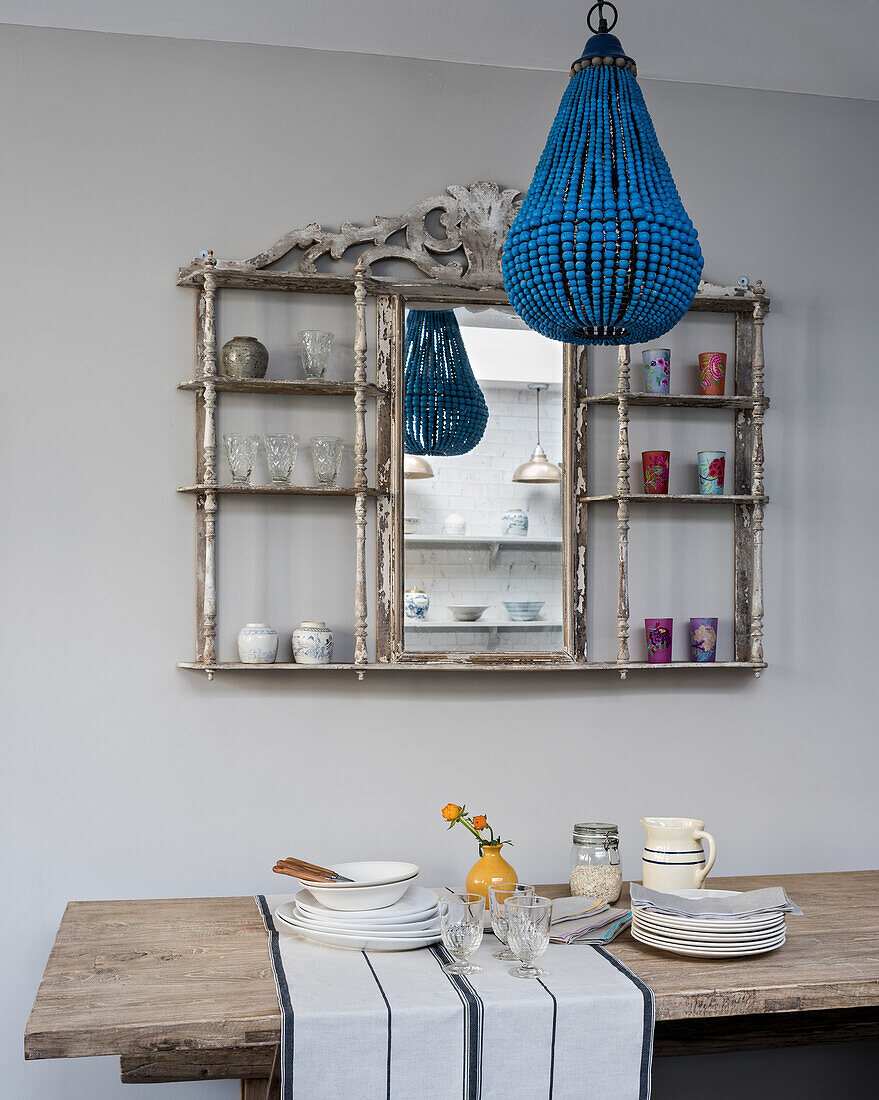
(241, 450)
(316, 347)
(528, 922)
(498, 894)
(461, 921)
(281, 456)
(326, 456)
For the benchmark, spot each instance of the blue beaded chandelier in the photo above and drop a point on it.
(445, 410)
(602, 250)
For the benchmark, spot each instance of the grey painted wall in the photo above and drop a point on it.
(125, 777)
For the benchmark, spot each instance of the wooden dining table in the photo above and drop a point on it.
(182, 989)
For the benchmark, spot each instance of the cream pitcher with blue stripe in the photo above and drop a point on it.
(673, 857)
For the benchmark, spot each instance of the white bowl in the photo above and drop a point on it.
(376, 885)
(467, 612)
(521, 611)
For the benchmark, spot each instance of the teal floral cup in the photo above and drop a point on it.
(712, 467)
(657, 369)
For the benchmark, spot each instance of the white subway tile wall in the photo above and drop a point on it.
(479, 487)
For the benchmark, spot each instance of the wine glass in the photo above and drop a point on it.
(461, 921)
(498, 893)
(241, 450)
(281, 456)
(528, 922)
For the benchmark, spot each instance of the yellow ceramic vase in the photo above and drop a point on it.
(491, 867)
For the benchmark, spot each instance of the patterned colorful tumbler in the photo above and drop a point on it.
(712, 373)
(656, 466)
(703, 639)
(657, 369)
(712, 467)
(658, 634)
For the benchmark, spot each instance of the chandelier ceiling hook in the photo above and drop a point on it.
(603, 26)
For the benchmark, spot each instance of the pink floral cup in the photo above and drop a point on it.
(656, 467)
(712, 373)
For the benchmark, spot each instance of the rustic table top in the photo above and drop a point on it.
(128, 977)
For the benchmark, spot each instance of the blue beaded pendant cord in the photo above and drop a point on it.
(602, 250)
(445, 410)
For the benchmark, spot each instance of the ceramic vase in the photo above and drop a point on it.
(244, 357)
(415, 604)
(703, 640)
(491, 867)
(712, 468)
(712, 373)
(455, 525)
(658, 634)
(514, 522)
(656, 466)
(657, 370)
(257, 644)
(312, 643)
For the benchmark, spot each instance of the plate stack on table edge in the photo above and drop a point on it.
(709, 937)
(411, 922)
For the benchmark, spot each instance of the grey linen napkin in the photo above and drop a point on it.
(751, 903)
(583, 920)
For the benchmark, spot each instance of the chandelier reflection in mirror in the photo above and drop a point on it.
(602, 250)
(445, 410)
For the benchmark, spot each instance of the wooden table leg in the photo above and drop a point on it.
(264, 1088)
(254, 1088)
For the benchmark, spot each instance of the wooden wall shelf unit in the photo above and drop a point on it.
(462, 267)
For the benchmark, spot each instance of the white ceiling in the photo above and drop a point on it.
(817, 46)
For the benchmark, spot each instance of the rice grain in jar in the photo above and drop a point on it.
(595, 861)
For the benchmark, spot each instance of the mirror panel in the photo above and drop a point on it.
(483, 553)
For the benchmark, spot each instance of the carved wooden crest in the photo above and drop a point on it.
(475, 221)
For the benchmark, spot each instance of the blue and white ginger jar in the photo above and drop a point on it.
(514, 522)
(312, 643)
(415, 604)
(257, 644)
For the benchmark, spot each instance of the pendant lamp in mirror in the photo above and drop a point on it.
(416, 467)
(538, 470)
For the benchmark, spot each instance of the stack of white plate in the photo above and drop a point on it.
(411, 922)
(709, 937)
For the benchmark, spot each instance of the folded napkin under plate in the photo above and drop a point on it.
(716, 924)
(715, 904)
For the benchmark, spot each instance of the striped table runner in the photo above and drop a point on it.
(376, 1025)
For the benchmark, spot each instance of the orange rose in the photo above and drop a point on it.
(451, 812)
(479, 822)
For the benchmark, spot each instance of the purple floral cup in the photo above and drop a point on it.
(703, 639)
(658, 634)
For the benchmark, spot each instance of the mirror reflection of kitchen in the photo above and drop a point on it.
(482, 528)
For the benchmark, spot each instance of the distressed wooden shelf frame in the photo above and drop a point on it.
(462, 267)
(207, 385)
(749, 402)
